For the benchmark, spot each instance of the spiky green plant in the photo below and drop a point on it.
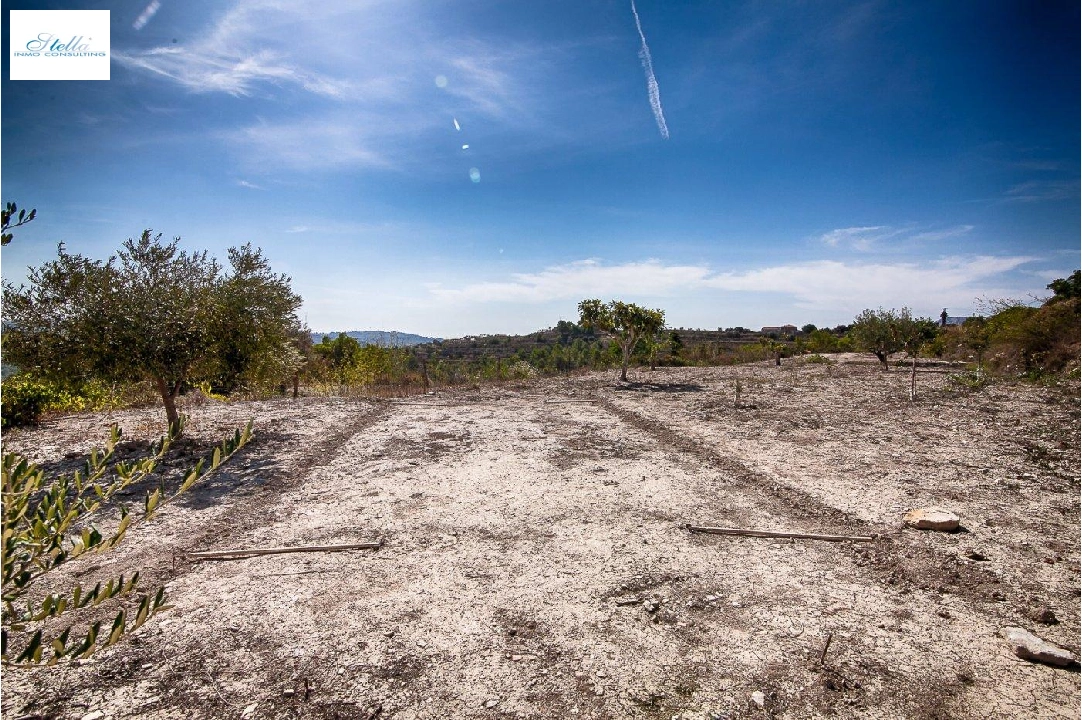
(50, 522)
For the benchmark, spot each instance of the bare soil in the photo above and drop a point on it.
(531, 530)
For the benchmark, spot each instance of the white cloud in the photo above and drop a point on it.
(830, 284)
(326, 144)
(858, 237)
(365, 71)
(1043, 190)
(871, 237)
(587, 278)
(826, 285)
(250, 186)
(945, 234)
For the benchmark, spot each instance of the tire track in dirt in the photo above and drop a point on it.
(893, 560)
(261, 506)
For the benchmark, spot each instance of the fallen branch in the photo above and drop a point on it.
(771, 534)
(249, 552)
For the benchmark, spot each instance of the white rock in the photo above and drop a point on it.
(1028, 646)
(94, 715)
(933, 518)
(758, 698)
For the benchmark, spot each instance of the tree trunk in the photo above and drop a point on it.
(169, 396)
(627, 358)
(913, 380)
(883, 359)
(777, 359)
(296, 385)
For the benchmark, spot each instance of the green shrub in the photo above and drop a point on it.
(968, 382)
(818, 359)
(25, 397)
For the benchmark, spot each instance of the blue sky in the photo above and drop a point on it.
(821, 157)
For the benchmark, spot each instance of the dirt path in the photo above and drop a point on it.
(535, 563)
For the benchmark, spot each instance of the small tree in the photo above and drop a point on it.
(627, 321)
(876, 331)
(773, 347)
(914, 334)
(976, 336)
(1062, 288)
(256, 325)
(676, 344)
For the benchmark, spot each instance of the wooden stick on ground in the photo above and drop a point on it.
(772, 534)
(249, 552)
(826, 646)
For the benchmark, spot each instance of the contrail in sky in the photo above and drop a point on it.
(651, 81)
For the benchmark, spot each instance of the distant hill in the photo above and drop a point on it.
(382, 338)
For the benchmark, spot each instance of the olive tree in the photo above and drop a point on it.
(152, 312)
(876, 331)
(626, 321)
(882, 332)
(257, 333)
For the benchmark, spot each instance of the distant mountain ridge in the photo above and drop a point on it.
(382, 338)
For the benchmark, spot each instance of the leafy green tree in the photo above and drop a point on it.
(626, 321)
(876, 331)
(151, 312)
(774, 348)
(1066, 288)
(257, 325)
(914, 334)
(676, 344)
(976, 335)
(808, 329)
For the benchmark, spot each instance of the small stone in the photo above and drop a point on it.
(650, 606)
(759, 699)
(977, 555)
(932, 519)
(289, 693)
(1028, 646)
(1045, 616)
(491, 703)
(248, 710)
(94, 715)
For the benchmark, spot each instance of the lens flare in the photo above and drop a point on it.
(441, 81)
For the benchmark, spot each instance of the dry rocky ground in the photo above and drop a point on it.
(535, 562)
